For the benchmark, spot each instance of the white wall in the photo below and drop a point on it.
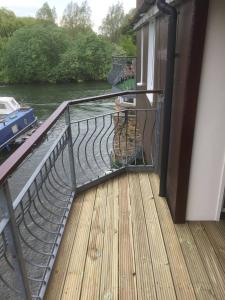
(207, 178)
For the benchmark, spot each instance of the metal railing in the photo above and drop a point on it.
(123, 70)
(85, 153)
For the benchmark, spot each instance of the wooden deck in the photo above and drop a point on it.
(120, 243)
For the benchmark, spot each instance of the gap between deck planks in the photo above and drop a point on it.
(120, 243)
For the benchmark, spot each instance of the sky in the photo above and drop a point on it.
(99, 7)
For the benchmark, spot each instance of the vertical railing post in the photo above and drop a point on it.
(12, 235)
(70, 149)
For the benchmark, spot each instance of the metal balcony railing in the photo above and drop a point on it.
(123, 73)
(85, 153)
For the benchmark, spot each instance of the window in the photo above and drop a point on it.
(151, 59)
(15, 129)
(2, 106)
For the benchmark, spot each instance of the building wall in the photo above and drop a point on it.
(207, 177)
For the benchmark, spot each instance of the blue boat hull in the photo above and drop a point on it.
(14, 125)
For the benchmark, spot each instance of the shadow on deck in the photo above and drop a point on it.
(120, 243)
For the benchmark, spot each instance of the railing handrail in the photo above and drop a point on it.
(10, 165)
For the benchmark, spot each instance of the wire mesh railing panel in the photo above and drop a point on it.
(123, 69)
(109, 142)
(40, 212)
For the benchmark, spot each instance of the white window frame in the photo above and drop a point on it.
(151, 59)
(141, 83)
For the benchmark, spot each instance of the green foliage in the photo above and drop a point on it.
(117, 28)
(112, 23)
(32, 52)
(46, 13)
(8, 23)
(89, 58)
(37, 50)
(77, 18)
(126, 42)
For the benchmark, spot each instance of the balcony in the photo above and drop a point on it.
(121, 243)
(89, 223)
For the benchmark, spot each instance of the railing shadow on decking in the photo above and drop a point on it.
(85, 153)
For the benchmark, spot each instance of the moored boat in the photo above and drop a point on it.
(15, 120)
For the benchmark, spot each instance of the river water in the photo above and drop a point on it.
(45, 99)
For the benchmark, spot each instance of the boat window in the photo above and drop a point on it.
(15, 128)
(14, 102)
(2, 106)
(25, 121)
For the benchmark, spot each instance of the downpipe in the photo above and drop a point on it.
(171, 11)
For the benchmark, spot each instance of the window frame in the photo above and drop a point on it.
(151, 58)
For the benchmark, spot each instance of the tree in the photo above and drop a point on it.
(112, 23)
(126, 42)
(46, 13)
(127, 38)
(88, 58)
(77, 18)
(32, 53)
(8, 23)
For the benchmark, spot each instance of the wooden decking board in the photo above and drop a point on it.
(210, 259)
(180, 274)
(216, 234)
(127, 272)
(120, 244)
(64, 254)
(161, 268)
(73, 280)
(200, 281)
(144, 271)
(109, 273)
(92, 272)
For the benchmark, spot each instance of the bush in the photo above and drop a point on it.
(32, 52)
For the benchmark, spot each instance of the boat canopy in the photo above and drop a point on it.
(8, 105)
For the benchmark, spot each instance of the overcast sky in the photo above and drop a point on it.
(99, 7)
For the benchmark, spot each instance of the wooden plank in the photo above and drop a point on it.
(92, 272)
(201, 283)
(161, 269)
(211, 262)
(75, 271)
(56, 284)
(109, 276)
(179, 271)
(216, 235)
(127, 272)
(143, 261)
